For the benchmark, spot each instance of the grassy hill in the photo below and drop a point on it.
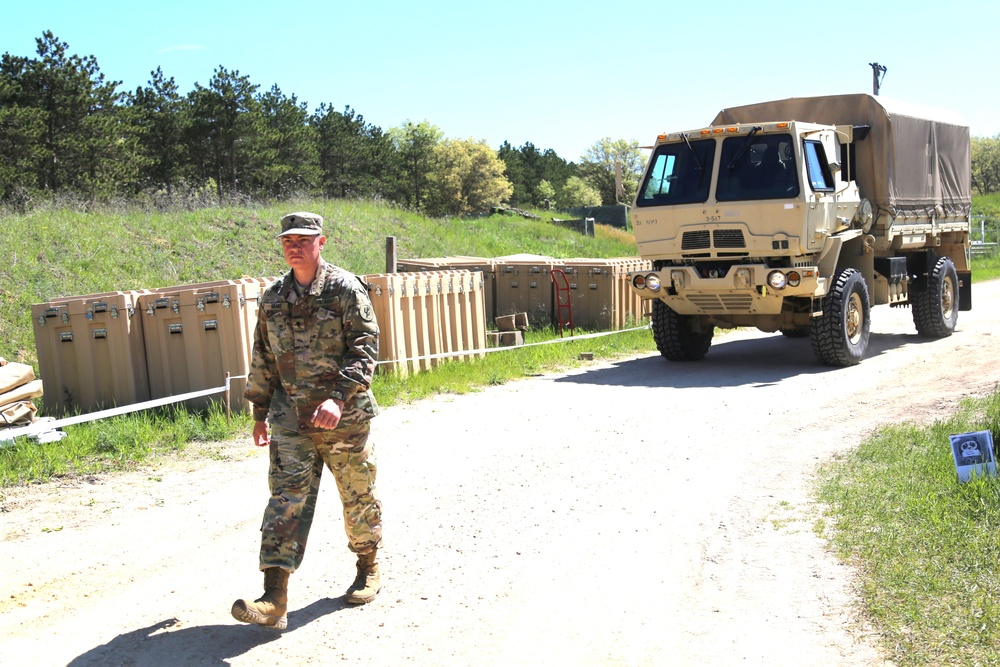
(61, 252)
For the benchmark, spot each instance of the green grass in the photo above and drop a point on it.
(985, 268)
(988, 205)
(927, 548)
(115, 444)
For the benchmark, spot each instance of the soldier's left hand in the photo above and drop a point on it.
(327, 415)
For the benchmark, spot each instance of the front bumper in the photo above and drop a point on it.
(745, 289)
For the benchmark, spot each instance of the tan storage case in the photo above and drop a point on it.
(196, 334)
(91, 352)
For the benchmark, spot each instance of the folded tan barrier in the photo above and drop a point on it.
(24, 392)
(21, 413)
(427, 317)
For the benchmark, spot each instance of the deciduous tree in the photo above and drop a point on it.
(598, 166)
(986, 164)
(527, 167)
(468, 178)
(577, 192)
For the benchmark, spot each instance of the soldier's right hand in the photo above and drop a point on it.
(261, 434)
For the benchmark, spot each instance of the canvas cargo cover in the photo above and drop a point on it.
(914, 162)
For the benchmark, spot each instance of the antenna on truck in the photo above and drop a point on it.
(878, 73)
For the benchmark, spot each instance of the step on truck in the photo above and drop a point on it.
(797, 216)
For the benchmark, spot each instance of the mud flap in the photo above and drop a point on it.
(964, 290)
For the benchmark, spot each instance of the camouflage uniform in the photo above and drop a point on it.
(309, 347)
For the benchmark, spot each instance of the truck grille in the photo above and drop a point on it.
(728, 238)
(720, 238)
(721, 303)
(695, 240)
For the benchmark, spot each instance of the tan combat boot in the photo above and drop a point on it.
(368, 582)
(270, 608)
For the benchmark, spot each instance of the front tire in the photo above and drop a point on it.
(935, 304)
(840, 335)
(680, 337)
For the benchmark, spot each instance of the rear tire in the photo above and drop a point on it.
(840, 335)
(935, 304)
(680, 337)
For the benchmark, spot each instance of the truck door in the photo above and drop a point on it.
(821, 198)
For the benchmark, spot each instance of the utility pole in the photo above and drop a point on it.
(878, 73)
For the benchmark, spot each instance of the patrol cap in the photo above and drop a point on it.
(302, 223)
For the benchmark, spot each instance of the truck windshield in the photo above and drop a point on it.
(763, 170)
(679, 174)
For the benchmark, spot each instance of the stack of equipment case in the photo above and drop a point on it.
(524, 285)
(599, 292)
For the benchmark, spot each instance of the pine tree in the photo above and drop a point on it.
(84, 143)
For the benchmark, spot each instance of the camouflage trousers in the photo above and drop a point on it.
(297, 462)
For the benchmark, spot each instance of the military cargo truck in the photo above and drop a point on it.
(799, 215)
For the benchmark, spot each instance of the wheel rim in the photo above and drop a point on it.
(855, 319)
(947, 297)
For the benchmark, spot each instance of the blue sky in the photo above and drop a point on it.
(561, 75)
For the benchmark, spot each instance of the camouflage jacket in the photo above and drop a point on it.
(309, 348)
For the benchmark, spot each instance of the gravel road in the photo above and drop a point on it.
(627, 513)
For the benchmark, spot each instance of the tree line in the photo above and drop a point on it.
(66, 129)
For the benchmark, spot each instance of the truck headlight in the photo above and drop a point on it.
(653, 282)
(794, 279)
(639, 281)
(777, 280)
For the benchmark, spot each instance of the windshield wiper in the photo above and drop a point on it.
(694, 153)
(738, 158)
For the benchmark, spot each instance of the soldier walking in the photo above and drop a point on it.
(314, 354)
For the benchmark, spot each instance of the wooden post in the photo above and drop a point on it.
(390, 254)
